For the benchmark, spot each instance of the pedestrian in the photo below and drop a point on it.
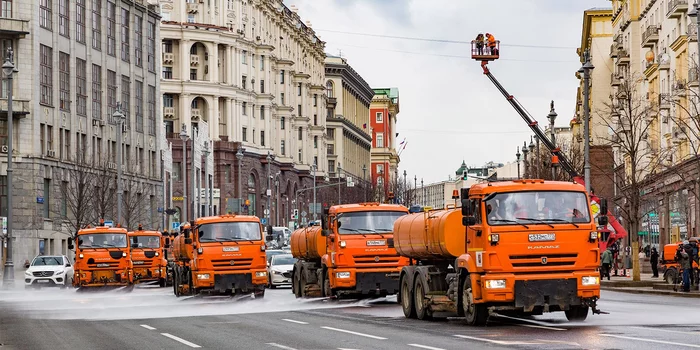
(686, 265)
(606, 261)
(654, 260)
(479, 41)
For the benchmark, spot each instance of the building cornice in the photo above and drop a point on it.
(352, 79)
(356, 130)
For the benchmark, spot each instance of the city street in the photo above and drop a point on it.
(152, 318)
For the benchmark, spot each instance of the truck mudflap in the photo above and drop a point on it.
(554, 295)
(235, 283)
(378, 283)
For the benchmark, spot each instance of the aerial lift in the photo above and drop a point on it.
(610, 230)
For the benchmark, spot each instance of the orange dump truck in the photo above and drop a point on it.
(220, 255)
(524, 247)
(351, 253)
(102, 258)
(147, 256)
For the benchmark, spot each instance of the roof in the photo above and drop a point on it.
(226, 218)
(145, 233)
(102, 229)
(600, 9)
(461, 169)
(370, 206)
(525, 185)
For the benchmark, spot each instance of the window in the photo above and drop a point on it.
(46, 80)
(45, 14)
(80, 21)
(331, 166)
(282, 76)
(262, 138)
(299, 88)
(193, 74)
(111, 28)
(244, 80)
(301, 133)
(329, 89)
(151, 46)
(168, 73)
(379, 140)
(300, 155)
(245, 134)
(111, 92)
(64, 81)
(126, 99)
(262, 112)
(244, 57)
(190, 18)
(96, 92)
(299, 110)
(282, 98)
(282, 123)
(262, 86)
(47, 197)
(6, 9)
(330, 132)
(125, 35)
(315, 119)
(315, 141)
(380, 168)
(282, 148)
(138, 36)
(262, 62)
(330, 149)
(97, 24)
(244, 108)
(81, 86)
(152, 110)
(139, 106)
(380, 117)
(168, 46)
(227, 173)
(63, 18)
(315, 100)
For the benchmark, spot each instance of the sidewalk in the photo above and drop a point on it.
(646, 285)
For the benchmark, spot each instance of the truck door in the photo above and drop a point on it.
(474, 233)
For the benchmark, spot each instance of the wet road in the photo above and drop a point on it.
(152, 318)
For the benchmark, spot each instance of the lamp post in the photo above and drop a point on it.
(184, 137)
(313, 168)
(415, 189)
(517, 160)
(196, 196)
(277, 197)
(405, 190)
(269, 189)
(525, 166)
(339, 171)
(239, 156)
(381, 190)
(423, 190)
(119, 117)
(364, 179)
(532, 154)
(587, 67)
(552, 116)
(9, 69)
(206, 152)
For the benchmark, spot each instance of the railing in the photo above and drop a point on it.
(674, 5)
(651, 30)
(693, 31)
(169, 112)
(693, 75)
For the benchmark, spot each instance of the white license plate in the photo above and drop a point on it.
(541, 237)
(377, 242)
(42, 281)
(231, 249)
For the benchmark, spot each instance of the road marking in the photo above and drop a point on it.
(499, 342)
(183, 341)
(147, 327)
(294, 321)
(355, 333)
(542, 327)
(425, 347)
(666, 330)
(559, 342)
(280, 346)
(651, 340)
(541, 324)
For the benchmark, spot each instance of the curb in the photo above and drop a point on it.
(653, 292)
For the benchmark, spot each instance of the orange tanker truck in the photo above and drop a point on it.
(524, 247)
(147, 256)
(102, 257)
(220, 255)
(350, 254)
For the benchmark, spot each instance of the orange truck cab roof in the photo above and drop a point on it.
(517, 186)
(102, 229)
(369, 206)
(224, 218)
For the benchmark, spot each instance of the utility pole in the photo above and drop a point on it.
(195, 194)
(119, 117)
(423, 190)
(364, 179)
(533, 173)
(587, 67)
(239, 156)
(415, 189)
(552, 116)
(313, 168)
(269, 189)
(207, 207)
(539, 160)
(405, 189)
(185, 204)
(9, 69)
(525, 165)
(339, 171)
(517, 160)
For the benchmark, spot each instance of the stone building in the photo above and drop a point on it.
(68, 53)
(385, 158)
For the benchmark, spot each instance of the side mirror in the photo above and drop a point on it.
(70, 244)
(325, 233)
(602, 220)
(187, 234)
(604, 206)
(466, 208)
(468, 221)
(188, 240)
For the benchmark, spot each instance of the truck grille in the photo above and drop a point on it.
(374, 261)
(42, 273)
(104, 265)
(543, 260)
(227, 265)
(143, 263)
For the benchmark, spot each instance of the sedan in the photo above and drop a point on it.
(280, 270)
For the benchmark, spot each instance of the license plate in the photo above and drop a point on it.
(377, 242)
(231, 249)
(541, 237)
(102, 265)
(42, 281)
(137, 263)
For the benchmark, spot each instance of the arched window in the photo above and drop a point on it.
(329, 89)
(251, 181)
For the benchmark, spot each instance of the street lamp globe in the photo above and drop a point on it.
(525, 150)
(532, 145)
(8, 68)
(552, 116)
(183, 133)
(517, 153)
(239, 154)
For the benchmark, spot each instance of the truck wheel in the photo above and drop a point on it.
(161, 282)
(475, 314)
(421, 306)
(302, 285)
(670, 276)
(407, 299)
(176, 283)
(577, 313)
(327, 292)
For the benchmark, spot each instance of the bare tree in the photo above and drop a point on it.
(573, 154)
(77, 189)
(105, 194)
(134, 204)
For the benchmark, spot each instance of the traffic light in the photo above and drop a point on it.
(464, 175)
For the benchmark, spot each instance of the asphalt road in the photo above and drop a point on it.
(152, 318)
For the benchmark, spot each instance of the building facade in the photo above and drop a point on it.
(385, 159)
(66, 54)
(255, 74)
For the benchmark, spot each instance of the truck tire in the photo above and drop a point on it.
(474, 314)
(161, 282)
(296, 288)
(302, 284)
(176, 282)
(419, 292)
(326, 290)
(406, 293)
(577, 313)
(670, 276)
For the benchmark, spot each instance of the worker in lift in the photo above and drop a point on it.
(492, 44)
(479, 41)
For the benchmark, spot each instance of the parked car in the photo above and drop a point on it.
(49, 270)
(280, 270)
(272, 252)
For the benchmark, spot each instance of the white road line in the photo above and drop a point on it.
(294, 321)
(499, 342)
(280, 346)
(147, 327)
(355, 333)
(542, 327)
(424, 347)
(651, 340)
(560, 342)
(183, 341)
(666, 330)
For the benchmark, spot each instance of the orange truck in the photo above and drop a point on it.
(102, 257)
(518, 247)
(222, 255)
(669, 266)
(350, 254)
(147, 256)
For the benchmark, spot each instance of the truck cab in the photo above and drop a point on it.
(102, 257)
(147, 256)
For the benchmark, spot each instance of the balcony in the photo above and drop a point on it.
(192, 8)
(169, 112)
(613, 50)
(194, 60)
(15, 28)
(650, 36)
(693, 77)
(623, 57)
(693, 32)
(677, 8)
(614, 79)
(665, 100)
(196, 113)
(168, 58)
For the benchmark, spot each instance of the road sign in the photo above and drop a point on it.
(349, 180)
(263, 221)
(176, 226)
(350, 184)
(267, 211)
(304, 214)
(109, 223)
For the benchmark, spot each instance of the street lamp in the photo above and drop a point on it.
(313, 168)
(119, 117)
(587, 67)
(269, 189)
(364, 178)
(339, 171)
(380, 181)
(405, 190)
(552, 116)
(423, 188)
(517, 160)
(184, 137)
(9, 68)
(525, 166)
(206, 152)
(239, 156)
(277, 197)
(415, 189)
(532, 154)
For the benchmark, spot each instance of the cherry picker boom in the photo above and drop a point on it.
(610, 230)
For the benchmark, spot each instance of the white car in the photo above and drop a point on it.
(280, 270)
(49, 270)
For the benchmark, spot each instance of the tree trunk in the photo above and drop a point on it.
(636, 267)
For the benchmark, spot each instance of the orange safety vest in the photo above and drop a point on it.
(492, 41)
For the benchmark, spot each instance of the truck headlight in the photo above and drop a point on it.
(495, 284)
(261, 274)
(593, 236)
(124, 254)
(81, 256)
(590, 280)
(203, 276)
(494, 238)
(343, 244)
(342, 275)
(157, 254)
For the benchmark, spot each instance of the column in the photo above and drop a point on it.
(185, 112)
(185, 59)
(228, 66)
(214, 119)
(213, 62)
(227, 118)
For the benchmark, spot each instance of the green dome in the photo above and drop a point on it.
(461, 169)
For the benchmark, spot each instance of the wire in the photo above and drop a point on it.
(464, 132)
(442, 40)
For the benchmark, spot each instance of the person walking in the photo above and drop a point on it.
(606, 261)
(686, 265)
(654, 260)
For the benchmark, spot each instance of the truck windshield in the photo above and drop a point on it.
(230, 231)
(552, 207)
(102, 240)
(145, 241)
(368, 222)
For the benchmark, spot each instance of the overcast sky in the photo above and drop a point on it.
(449, 111)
